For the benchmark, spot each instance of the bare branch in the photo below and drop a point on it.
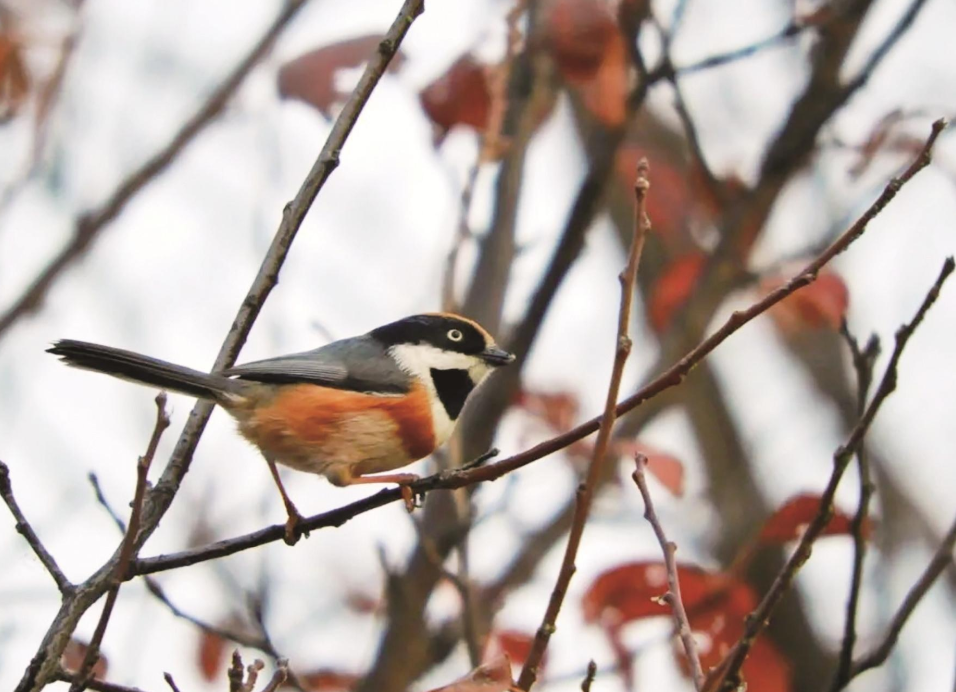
(589, 677)
(91, 224)
(726, 673)
(94, 684)
(44, 663)
(172, 683)
(672, 597)
(83, 676)
(671, 377)
(585, 493)
(863, 362)
(936, 566)
(24, 529)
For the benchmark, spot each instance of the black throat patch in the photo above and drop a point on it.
(453, 387)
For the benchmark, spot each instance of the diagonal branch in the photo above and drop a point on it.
(726, 673)
(864, 360)
(24, 529)
(83, 676)
(585, 492)
(941, 559)
(90, 225)
(43, 666)
(672, 597)
(671, 377)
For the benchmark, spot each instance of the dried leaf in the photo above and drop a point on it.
(719, 624)
(558, 410)
(673, 288)
(15, 80)
(75, 652)
(211, 655)
(311, 76)
(790, 521)
(494, 676)
(577, 33)
(514, 644)
(461, 96)
(822, 304)
(605, 95)
(629, 592)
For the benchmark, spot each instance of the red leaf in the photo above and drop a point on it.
(790, 521)
(717, 628)
(14, 77)
(75, 652)
(461, 96)
(328, 680)
(559, 410)
(494, 676)
(577, 33)
(666, 468)
(673, 288)
(631, 591)
(311, 77)
(211, 655)
(605, 95)
(820, 304)
(516, 645)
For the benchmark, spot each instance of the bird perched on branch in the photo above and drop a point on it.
(363, 405)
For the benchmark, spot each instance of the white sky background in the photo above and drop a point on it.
(168, 275)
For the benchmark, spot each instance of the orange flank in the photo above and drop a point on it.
(313, 428)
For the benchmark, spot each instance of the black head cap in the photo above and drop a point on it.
(445, 331)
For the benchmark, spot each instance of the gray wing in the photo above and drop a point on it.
(358, 364)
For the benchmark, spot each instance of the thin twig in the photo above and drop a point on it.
(24, 529)
(90, 225)
(789, 31)
(85, 672)
(672, 597)
(253, 642)
(891, 39)
(863, 362)
(280, 675)
(671, 377)
(43, 665)
(169, 681)
(940, 561)
(94, 683)
(585, 493)
(589, 677)
(726, 673)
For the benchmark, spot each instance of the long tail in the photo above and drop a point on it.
(145, 370)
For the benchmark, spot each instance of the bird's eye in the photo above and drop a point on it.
(455, 335)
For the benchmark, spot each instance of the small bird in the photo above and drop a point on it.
(363, 405)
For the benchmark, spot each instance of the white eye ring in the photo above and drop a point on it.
(455, 335)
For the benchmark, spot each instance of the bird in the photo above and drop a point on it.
(348, 410)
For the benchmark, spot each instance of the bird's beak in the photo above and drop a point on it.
(496, 356)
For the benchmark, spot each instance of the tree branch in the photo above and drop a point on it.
(672, 597)
(83, 676)
(863, 362)
(724, 676)
(24, 529)
(585, 492)
(671, 377)
(936, 566)
(43, 666)
(90, 225)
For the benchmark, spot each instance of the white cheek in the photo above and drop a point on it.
(419, 360)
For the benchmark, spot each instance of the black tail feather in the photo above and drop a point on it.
(143, 369)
